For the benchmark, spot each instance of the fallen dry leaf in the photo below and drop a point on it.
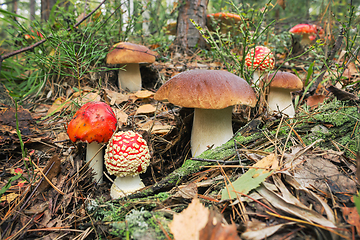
(9, 197)
(187, 224)
(55, 165)
(156, 127)
(89, 97)
(352, 217)
(341, 94)
(257, 230)
(116, 97)
(315, 100)
(58, 105)
(146, 108)
(144, 94)
(121, 116)
(188, 191)
(197, 222)
(216, 230)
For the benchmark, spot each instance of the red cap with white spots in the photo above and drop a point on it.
(127, 154)
(303, 28)
(262, 58)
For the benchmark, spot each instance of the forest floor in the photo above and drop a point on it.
(297, 177)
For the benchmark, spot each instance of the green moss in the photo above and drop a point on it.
(140, 223)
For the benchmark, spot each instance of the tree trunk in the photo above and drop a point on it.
(32, 10)
(46, 6)
(188, 37)
(14, 6)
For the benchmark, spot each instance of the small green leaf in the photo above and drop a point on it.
(245, 183)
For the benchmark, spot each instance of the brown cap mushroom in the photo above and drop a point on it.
(126, 156)
(212, 93)
(281, 85)
(129, 56)
(94, 123)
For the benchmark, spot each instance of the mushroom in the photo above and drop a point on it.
(126, 156)
(225, 20)
(307, 31)
(130, 56)
(94, 123)
(281, 85)
(262, 60)
(212, 93)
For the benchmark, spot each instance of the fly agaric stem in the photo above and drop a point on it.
(95, 154)
(123, 186)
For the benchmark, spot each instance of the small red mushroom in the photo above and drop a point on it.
(223, 20)
(259, 59)
(307, 31)
(126, 156)
(94, 123)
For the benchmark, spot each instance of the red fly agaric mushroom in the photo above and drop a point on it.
(126, 156)
(306, 30)
(281, 85)
(259, 59)
(94, 123)
(130, 56)
(223, 20)
(212, 93)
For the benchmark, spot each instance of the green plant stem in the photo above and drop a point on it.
(19, 133)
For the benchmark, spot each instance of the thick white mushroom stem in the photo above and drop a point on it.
(211, 127)
(123, 186)
(97, 162)
(130, 78)
(280, 100)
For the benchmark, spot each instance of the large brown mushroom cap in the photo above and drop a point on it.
(285, 80)
(124, 53)
(207, 89)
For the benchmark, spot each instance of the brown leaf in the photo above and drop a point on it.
(143, 94)
(352, 217)
(187, 224)
(156, 127)
(197, 222)
(281, 3)
(216, 230)
(187, 191)
(116, 97)
(341, 94)
(315, 100)
(37, 208)
(55, 165)
(146, 108)
(121, 116)
(58, 105)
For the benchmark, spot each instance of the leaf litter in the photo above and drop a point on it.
(309, 193)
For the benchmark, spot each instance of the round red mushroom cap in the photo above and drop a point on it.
(303, 28)
(94, 121)
(262, 60)
(127, 154)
